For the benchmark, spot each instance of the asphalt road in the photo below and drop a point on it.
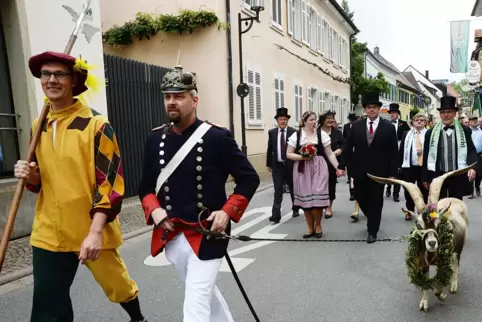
(291, 281)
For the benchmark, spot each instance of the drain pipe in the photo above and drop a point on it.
(230, 68)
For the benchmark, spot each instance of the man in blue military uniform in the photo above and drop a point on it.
(186, 166)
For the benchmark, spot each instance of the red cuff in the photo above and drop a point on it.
(149, 203)
(33, 188)
(235, 207)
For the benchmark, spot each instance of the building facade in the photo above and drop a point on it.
(409, 96)
(26, 29)
(297, 56)
(429, 90)
(375, 63)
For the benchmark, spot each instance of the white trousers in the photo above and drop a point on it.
(203, 301)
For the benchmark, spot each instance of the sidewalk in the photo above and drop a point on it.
(19, 257)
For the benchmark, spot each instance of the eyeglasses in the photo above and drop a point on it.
(419, 120)
(60, 75)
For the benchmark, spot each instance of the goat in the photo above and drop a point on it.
(453, 209)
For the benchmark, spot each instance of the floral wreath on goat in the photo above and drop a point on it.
(444, 253)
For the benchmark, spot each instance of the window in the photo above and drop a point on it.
(313, 29)
(326, 39)
(312, 98)
(255, 111)
(298, 95)
(291, 16)
(305, 16)
(276, 13)
(279, 92)
(321, 102)
(9, 151)
(331, 46)
(319, 34)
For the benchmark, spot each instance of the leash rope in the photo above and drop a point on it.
(245, 238)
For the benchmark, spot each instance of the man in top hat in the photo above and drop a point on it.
(193, 195)
(477, 139)
(375, 151)
(77, 174)
(400, 127)
(346, 132)
(448, 146)
(276, 161)
(411, 159)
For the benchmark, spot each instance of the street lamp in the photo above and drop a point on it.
(243, 89)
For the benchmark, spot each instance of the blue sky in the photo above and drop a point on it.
(413, 32)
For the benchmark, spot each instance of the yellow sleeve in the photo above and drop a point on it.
(109, 174)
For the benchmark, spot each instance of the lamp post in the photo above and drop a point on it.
(243, 89)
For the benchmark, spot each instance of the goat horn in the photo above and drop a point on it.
(436, 185)
(411, 188)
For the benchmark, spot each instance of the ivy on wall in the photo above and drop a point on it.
(146, 25)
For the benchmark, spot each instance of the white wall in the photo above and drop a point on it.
(49, 28)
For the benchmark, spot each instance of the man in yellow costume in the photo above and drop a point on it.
(78, 176)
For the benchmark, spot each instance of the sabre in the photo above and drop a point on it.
(33, 145)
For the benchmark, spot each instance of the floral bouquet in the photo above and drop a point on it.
(306, 150)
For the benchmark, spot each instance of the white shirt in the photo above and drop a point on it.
(374, 125)
(279, 142)
(325, 139)
(414, 159)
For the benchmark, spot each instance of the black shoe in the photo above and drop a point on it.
(396, 197)
(354, 218)
(305, 236)
(295, 213)
(274, 219)
(352, 198)
(371, 239)
(318, 235)
(389, 193)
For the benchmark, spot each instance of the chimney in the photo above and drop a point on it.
(377, 51)
(426, 75)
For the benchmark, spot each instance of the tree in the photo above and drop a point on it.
(360, 84)
(466, 97)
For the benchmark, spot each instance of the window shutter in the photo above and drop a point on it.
(291, 16)
(282, 92)
(251, 97)
(259, 110)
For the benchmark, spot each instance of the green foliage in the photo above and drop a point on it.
(414, 111)
(346, 8)
(360, 84)
(465, 96)
(444, 258)
(147, 25)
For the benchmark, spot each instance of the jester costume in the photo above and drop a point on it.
(81, 174)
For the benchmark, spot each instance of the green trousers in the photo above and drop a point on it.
(53, 274)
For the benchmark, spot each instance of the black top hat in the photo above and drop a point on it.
(352, 116)
(394, 107)
(371, 98)
(282, 111)
(448, 103)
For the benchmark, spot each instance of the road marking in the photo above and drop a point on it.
(238, 263)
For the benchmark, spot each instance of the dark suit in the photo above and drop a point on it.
(458, 186)
(380, 158)
(403, 127)
(281, 171)
(411, 174)
(199, 181)
(346, 133)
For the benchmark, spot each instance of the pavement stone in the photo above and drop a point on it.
(18, 258)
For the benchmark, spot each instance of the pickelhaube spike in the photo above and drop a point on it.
(178, 81)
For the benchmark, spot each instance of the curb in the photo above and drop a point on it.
(29, 271)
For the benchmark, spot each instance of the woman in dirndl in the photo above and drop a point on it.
(310, 174)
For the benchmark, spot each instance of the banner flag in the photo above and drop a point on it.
(459, 46)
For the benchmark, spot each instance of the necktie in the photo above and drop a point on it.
(371, 128)
(283, 145)
(449, 127)
(419, 149)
